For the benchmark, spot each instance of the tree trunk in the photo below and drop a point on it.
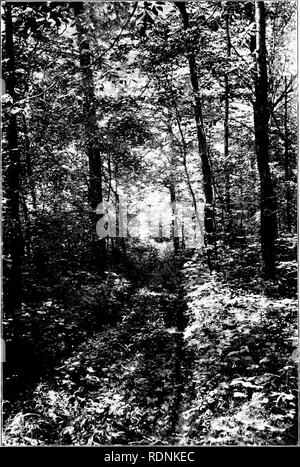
(209, 222)
(287, 166)
(93, 146)
(13, 242)
(228, 224)
(268, 205)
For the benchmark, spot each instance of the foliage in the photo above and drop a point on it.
(244, 375)
(132, 340)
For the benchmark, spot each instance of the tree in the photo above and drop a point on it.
(228, 227)
(209, 222)
(14, 242)
(92, 137)
(268, 204)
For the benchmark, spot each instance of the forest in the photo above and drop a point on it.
(149, 223)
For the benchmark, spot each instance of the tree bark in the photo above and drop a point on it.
(287, 165)
(209, 221)
(228, 226)
(13, 241)
(93, 146)
(268, 204)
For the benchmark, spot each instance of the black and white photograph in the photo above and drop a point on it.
(149, 225)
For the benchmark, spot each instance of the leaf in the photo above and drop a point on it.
(239, 395)
(247, 384)
(288, 397)
(6, 98)
(264, 360)
(235, 352)
(16, 110)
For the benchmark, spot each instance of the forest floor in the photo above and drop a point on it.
(202, 363)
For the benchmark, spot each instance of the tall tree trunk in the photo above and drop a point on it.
(268, 204)
(209, 221)
(93, 146)
(228, 227)
(287, 165)
(14, 242)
